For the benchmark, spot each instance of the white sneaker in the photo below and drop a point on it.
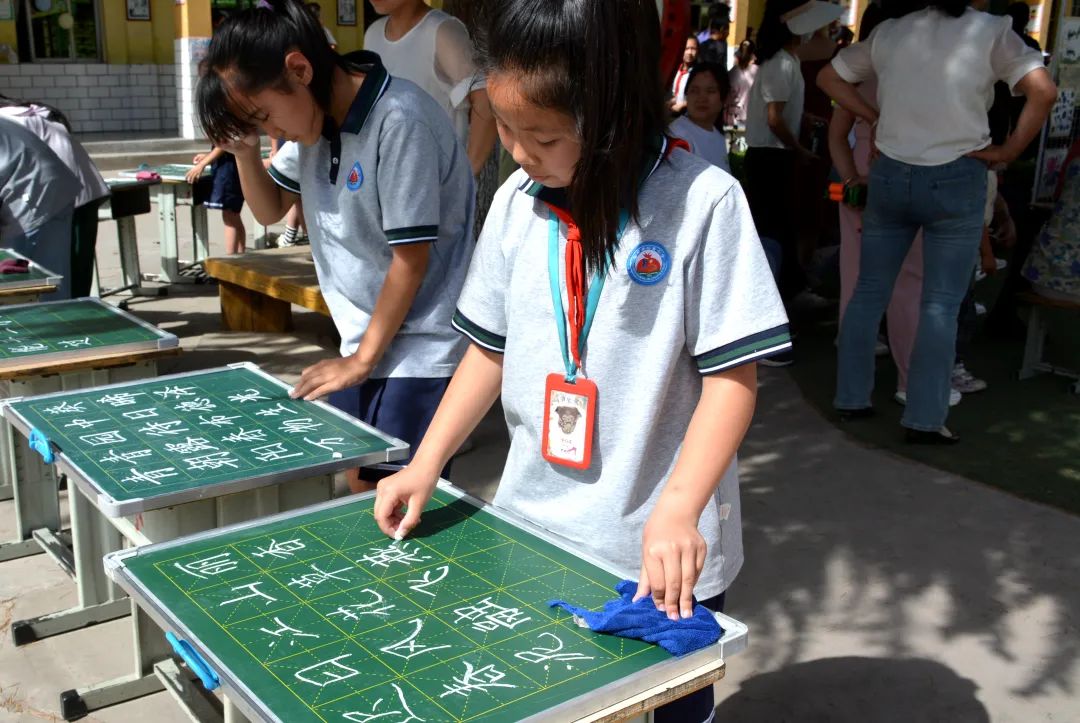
(965, 381)
(980, 309)
(954, 397)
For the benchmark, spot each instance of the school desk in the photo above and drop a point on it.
(174, 191)
(257, 290)
(129, 198)
(316, 615)
(60, 345)
(151, 460)
(25, 288)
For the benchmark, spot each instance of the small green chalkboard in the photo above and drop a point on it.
(159, 442)
(317, 616)
(174, 172)
(35, 276)
(54, 331)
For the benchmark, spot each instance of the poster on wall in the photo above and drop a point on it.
(7, 9)
(1061, 115)
(1053, 159)
(138, 9)
(346, 12)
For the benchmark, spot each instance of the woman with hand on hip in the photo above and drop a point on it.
(933, 138)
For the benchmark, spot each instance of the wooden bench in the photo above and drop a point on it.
(257, 289)
(1036, 338)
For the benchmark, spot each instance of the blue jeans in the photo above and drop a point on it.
(947, 202)
(49, 245)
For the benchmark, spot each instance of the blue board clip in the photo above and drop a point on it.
(40, 444)
(194, 661)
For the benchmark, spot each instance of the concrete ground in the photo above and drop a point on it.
(875, 589)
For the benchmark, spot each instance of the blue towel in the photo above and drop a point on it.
(642, 621)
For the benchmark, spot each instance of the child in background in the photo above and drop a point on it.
(294, 219)
(706, 92)
(37, 198)
(51, 126)
(226, 196)
(657, 355)
(388, 197)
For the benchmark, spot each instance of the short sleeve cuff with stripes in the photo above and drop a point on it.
(478, 334)
(748, 349)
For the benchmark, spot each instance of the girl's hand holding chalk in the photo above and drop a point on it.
(401, 497)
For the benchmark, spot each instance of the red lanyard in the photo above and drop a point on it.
(576, 288)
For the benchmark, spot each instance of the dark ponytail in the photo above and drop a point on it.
(248, 49)
(952, 8)
(597, 61)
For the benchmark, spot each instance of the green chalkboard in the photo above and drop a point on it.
(63, 330)
(36, 276)
(318, 616)
(169, 171)
(159, 442)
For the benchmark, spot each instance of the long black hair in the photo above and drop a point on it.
(597, 61)
(247, 55)
(717, 71)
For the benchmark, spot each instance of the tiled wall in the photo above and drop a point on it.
(97, 97)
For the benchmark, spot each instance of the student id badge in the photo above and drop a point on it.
(569, 418)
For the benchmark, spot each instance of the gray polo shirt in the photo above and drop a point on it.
(394, 174)
(35, 185)
(702, 301)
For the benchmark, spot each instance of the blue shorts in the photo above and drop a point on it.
(226, 194)
(401, 407)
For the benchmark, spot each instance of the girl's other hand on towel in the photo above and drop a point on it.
(672, 556)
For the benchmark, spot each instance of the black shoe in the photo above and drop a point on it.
(851, 415)
(941, 436)
(782, 359)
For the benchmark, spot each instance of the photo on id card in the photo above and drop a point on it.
(568, 432)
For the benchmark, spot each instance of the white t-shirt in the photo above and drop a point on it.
(779, 80)
(709, 144)
(936, 78)
(678, 86)
(437, 55)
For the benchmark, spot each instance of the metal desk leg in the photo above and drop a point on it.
(201, 229)
(233, 714)
(32, 484)
(170, 253)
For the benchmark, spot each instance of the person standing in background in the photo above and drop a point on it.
(433, 50)
(316, 10)
(741, 79)
(682, 75)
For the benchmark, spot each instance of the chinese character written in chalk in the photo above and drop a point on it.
(394, 552)
(162, 429)
(273, 452)
(153, 476)
(66, 408)
(293, 633)
(27, 348)
(299, 426)
(191, 445)
(275, 411)
(255, 593)
(206, 567)
(317, 577)
(103, 438)
(74, 343)
(84, 423)
(476, 679)
(552, 650)
(120, 399)
(426, 580)
(175, 392)
(332, 671)
(358, 717)
(327, 443)
(147, 413)
(246, 435)
(279, 550)
(409, 648)
(218, 420)
(126, 457)
(215, 460)
(248, 395)
(202, 404)
(486, 616)
(355, 610)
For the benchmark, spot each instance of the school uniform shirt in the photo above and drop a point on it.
(678, 86)
(67, 149)
(709, 144)
(35, 185)
(393, 174)
(437, 55)
(779, 80)
(930, 116)
(690, 293)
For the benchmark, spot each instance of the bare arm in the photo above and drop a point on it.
(269, 202)
(842, 157)
(482, 132)
(403, 279)
(1041, 94)
(846, 94)
(673, 551)
(775, 119)
(473, 389)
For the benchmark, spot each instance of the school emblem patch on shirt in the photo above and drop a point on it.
(356, 177)
(648, 264)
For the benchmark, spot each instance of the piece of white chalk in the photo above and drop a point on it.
(337, 455)
(399, 535)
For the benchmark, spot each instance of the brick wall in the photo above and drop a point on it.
(97, 97)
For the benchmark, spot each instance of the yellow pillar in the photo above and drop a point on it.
(191, 20)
